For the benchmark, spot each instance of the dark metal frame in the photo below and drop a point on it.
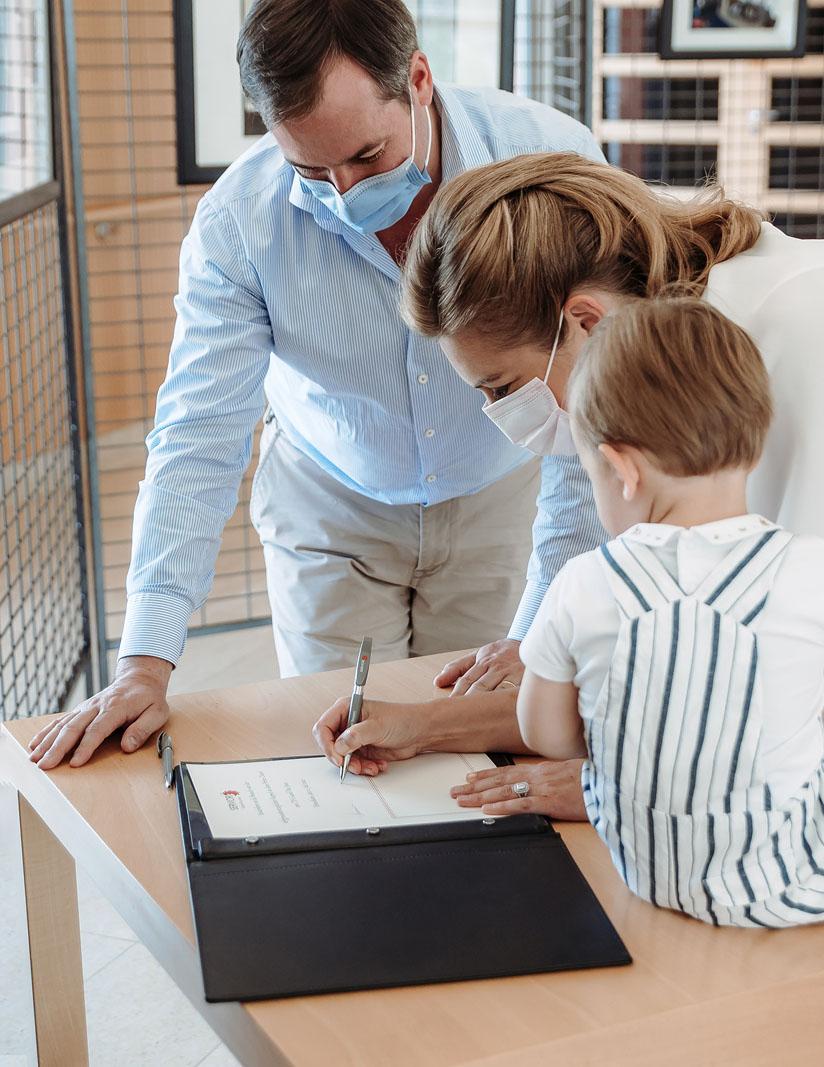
(506, 68)
(84, 391)
(666, 50)
(586, 73)
(85, 663)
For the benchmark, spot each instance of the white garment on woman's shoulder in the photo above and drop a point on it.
(574, 634)
(775, 291)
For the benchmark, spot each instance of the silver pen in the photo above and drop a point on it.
(165, 751)
(356, 700)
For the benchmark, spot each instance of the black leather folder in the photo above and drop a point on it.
(345, 910)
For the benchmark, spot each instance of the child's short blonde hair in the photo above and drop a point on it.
(677, 379)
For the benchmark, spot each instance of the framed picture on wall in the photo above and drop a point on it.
(732, 29)
(214, 121)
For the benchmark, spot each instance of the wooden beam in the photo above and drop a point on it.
(54, 944)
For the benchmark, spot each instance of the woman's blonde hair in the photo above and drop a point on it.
(676, 379)
(501, 247)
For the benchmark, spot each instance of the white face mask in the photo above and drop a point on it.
(530, 417)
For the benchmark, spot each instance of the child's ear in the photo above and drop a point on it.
(624, 466)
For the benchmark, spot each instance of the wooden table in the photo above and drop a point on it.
(694, 996)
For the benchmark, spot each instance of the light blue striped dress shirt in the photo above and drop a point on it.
(279, 301)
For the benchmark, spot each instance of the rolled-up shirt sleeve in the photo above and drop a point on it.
(566, 525)
(201, 441)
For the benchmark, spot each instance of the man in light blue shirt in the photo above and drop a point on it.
(387, 503)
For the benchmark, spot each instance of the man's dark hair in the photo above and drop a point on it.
(284, 46)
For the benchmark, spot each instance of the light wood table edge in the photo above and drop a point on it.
(162, 938)
(15, 965)
(53, 930)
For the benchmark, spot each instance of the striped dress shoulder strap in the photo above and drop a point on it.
(741, 583)
(638, 579)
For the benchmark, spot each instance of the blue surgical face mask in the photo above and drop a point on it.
(378, 202)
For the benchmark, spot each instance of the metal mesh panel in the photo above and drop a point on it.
(137, 216)
(551, 54)
(42, 626)
(755, 125)
(793, 167)
(798, 100)
(25, 128)
(799, 225)
(661, 98)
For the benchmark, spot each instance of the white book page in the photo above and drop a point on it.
(289, 796)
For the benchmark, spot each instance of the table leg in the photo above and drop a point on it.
(54, 944)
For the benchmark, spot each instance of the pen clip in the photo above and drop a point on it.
(364, 659)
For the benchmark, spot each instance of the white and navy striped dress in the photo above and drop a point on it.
(675, 783)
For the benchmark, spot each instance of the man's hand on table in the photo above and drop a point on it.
(135, 699)
(554, 790)
(496, 664)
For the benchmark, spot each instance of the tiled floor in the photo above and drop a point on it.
(136, 1015)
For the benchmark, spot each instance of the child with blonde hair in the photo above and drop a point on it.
(685, 658)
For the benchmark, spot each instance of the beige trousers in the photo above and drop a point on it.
(416, 579)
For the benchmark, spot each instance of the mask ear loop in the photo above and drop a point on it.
(429, 141)
(554, 347)
(415, 132)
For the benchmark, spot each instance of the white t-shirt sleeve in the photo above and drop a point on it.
(546, 648)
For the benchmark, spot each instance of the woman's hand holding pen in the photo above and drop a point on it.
(385, 733)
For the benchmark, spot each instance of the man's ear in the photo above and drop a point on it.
(625, 467)
(584, 311)
(420, 78)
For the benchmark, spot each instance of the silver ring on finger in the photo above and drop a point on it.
(521, 789)
(509, 682)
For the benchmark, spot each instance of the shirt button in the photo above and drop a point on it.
(423, 378)
(432, 477)
(429, 433)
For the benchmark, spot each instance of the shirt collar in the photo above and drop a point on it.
(722, 532)
(461, 149)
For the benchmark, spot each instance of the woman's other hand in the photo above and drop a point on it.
(496, 664)
(554, 790)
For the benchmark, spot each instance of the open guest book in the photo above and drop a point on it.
(303, 884)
